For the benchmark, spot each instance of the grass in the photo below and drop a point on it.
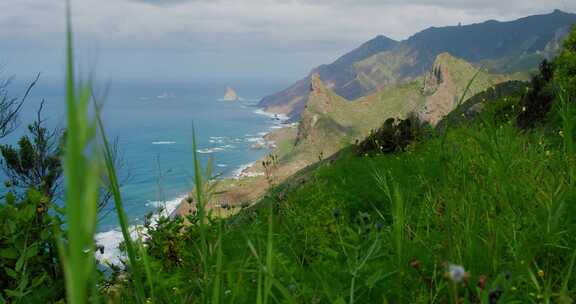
(81, 183)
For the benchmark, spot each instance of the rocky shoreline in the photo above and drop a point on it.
(250, 182)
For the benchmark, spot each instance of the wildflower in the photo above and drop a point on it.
(561, 133)
(456, 273)
(523, 109)
(541, 273)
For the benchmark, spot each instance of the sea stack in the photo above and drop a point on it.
(230, 94)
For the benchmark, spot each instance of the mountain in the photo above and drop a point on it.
(501, 47)
(337, 75)
(329, 121)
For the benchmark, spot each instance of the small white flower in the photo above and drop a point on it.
(456, 273)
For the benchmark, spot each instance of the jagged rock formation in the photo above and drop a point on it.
(329, 121)
(338, 75)
(450, 77)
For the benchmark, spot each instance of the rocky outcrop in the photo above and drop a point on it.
(339, 76)
(230, 94)
(446, 84)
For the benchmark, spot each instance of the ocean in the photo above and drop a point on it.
(152, 123)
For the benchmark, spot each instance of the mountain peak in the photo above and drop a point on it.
(321, 99)
(559, 12)
(316, 84)
(506, 47)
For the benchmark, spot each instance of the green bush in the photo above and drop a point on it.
(29, 264)
(394, 136)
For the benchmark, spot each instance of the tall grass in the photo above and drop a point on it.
(567, 115)
(82, 182)
(82, 177)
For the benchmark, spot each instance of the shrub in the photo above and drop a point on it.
(29, 263)
(537, 101)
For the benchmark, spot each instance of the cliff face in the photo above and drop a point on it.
(445, 84)
(318, 129)
(502, 47)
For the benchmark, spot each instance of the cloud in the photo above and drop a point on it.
(283, 34)
(169, 2)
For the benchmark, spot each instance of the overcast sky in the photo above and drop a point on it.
(224, 39)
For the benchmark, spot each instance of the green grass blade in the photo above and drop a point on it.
(118, 204)
(81, 180)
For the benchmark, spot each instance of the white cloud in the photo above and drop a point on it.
(241, 28)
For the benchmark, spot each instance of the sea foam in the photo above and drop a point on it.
(112, 238)
(163, 142)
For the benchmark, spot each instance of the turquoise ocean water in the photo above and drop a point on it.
(153, 125)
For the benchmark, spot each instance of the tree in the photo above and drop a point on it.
(34, 163)
(10, 107)
(565, 64)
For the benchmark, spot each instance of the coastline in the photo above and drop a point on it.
(110, 239)
(248, 182)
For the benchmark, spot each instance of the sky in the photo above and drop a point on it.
(222, 39)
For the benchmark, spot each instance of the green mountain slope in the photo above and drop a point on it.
(502, 47)
(328, 121)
